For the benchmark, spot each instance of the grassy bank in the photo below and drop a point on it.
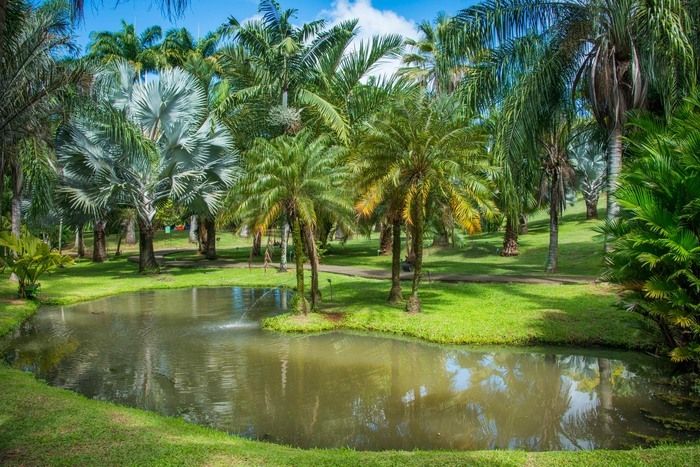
(40, 425)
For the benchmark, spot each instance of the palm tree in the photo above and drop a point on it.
(588, 159)
(295, 178)
(140, 50)
(436, 60)
(147, 143)
(426, 148)
(656, 254)
(609, 52)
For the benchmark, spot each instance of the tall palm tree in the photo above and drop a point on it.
(588, 159)
(145, 144)
(609, 52)
(426, 148)
(141, 51)
(436, 60)
(31, 79)
(296, 178)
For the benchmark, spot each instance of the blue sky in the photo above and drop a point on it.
(376, 16)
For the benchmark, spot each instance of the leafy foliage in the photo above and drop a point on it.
(656, 256)
(29, 258)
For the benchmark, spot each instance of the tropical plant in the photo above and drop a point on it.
(423, 148)
(588, 159)
(144, 144)
(31, 79)
(609, 52)
(28, 258)
(436, 60)
(656, 254)
(295, 178)
(141, 51)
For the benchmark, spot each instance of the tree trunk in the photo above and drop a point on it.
(257, 243)
(592, 208)
(16, 204)
(395, 295)
(314, 261)
(553, 251)
(202, 235)
(79, 241)
(522, 224)
(193, 229)
(210, 245)
(443, 236)
(510, 239)
(385, 238)
(284, 241)
(300, 301)
(99, 241)
(147, 257)
(130, 231)
(119, 243)
(413, 305)
(613, 169)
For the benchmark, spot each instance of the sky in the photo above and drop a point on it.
(375, 16)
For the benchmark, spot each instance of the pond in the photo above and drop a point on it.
(200, 354)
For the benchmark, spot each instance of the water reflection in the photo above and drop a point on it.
(199, 354)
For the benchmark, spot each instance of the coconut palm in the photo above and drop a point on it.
(609, 52)
(145, 144)
(436, 60)
(295, 178)
(142, 51)
(425, 149)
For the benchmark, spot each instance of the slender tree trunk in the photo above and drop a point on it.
(314, 261)
(605, 394)
(395, 295)
(257, 243)
(99, 241)
(119, 240)
(16, 203)
(210, 247)
(385, 238)
(131, 231)
(591, 207)
(147, 256)
(522, 224)
(613, 168)
(284, 241)
(413, 305)
(193, 229)
(300, 300)
(553, 251)
(510, 239)
(202, 237)
(80, 241)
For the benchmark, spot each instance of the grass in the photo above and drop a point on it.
(42, 425)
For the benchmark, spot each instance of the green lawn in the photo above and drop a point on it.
(580, 250)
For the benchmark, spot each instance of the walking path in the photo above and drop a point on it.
(384, 274)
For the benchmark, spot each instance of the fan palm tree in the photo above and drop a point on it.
(426, 148)
(587, 156)
(609, 52)
(145, 144)
(142, 51)
(295, 178)
(436, 60)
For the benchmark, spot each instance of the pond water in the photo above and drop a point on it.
(200, 354)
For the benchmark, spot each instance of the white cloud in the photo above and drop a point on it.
(372, 22)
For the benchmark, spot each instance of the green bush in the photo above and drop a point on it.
(29, 258)
(656, 249)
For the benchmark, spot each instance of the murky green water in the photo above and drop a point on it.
(199, 354)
